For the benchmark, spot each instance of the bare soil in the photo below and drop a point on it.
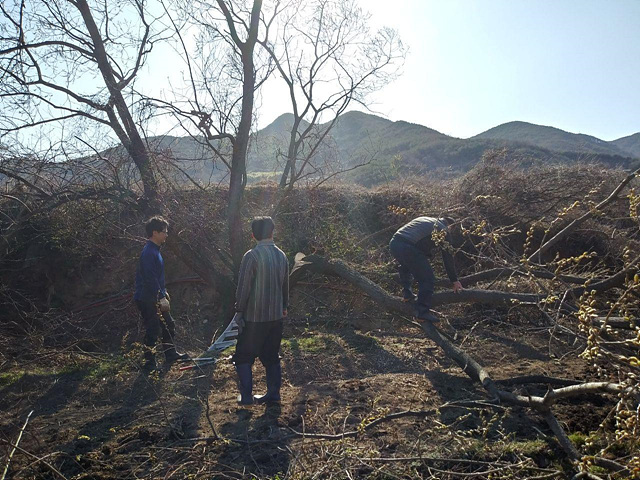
(97, 416)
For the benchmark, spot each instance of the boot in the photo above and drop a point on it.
(424, 313)
(171, 355)
(407, 295)
(274, 380)
(245, 383)
(149, 364)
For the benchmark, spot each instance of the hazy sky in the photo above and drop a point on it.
(475, 64)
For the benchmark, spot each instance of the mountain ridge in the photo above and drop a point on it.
(389, 148)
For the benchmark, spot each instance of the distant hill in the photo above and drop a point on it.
(551, 138)
(402, 147)
(398, 148)
(630, 144)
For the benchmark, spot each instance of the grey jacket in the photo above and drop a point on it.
(263, 283)
(418, 232)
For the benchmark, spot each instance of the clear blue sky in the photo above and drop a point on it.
(475, 64)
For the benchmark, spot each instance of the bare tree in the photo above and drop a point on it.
(217, 108)
(329, 59)
(64, 61)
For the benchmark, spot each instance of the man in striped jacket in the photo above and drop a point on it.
(262, 299)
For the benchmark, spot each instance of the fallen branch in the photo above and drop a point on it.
(469, 365)
(15, 446)
(495, 273)
(37, 459)
(571, 227)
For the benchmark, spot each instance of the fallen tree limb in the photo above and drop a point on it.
(528, 379)
(15, 446)
(318, 264)
(613, 322)
(572, 226)
(495, 273)
(468, 364)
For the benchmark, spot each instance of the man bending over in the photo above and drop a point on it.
(412, 246)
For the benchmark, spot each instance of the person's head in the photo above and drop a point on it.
(262, 228)
(156, 229)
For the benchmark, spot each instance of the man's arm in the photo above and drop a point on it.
(245, 279)
(151, 272)
(450, 264)
(285, 288)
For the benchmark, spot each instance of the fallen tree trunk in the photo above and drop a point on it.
(495, 273)
(317, 264)
(338, 268)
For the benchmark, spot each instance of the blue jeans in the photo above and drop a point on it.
(414, 263)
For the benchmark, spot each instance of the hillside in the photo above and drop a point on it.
(551, 138)
(630, 144)
(367, 392)
(392, 149)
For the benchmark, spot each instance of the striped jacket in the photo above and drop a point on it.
(263, 283)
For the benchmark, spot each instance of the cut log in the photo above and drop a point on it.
(321, 265)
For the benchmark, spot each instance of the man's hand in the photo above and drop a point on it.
(239, 319)
(164, 305)
(457, 287)
(166, 295)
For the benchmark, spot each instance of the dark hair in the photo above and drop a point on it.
(262, 227)
(448, 221)
(155, 224)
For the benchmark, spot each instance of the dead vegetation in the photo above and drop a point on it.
(366, 393)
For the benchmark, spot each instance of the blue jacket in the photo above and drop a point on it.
(150, 275)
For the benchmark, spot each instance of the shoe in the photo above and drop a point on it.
(407, 295)
(274, 380)
(424, 314)
(149, 364)
(171, 355)
(245, 383)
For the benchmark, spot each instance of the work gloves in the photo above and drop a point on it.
(164, 305)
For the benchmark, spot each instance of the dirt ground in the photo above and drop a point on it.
(97, 416)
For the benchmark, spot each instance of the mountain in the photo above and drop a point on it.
(551, 138)
(630, 144)
(391, 148)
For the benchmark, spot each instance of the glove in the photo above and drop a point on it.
(239, 319)
(164, 305)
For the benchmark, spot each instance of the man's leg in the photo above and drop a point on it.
(421, 269)
(151, 320)
(246, 352)
(168, 326)
(398, 250)
(270, 358)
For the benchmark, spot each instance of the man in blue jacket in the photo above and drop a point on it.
(412, 246)
(151, 296)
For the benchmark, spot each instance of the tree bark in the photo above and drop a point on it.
(468, 364)
(238, 175)
(128, 131)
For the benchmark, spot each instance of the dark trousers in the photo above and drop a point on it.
(414, 263)
(154, 323)
(259, 339)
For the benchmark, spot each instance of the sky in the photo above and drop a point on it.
(476, 64)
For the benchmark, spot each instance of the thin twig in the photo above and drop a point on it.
(6, 468)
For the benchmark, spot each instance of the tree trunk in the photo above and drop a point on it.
(238, 176)
(127, 132)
